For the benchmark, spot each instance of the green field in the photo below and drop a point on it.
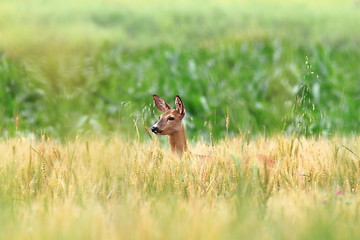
(90, 67)
(271, 91)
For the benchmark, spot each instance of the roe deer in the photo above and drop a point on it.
(170, 123)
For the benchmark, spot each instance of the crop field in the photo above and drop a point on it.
(114, 189)
(272, 95)
(90, 67)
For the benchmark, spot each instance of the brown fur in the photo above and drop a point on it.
(170, 123)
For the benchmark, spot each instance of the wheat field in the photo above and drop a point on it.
(251, 188)
(285, 72)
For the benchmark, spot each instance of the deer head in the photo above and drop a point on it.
(170, 121)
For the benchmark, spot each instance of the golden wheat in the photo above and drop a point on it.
(113, 189)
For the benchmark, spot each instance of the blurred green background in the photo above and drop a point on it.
(84, 67)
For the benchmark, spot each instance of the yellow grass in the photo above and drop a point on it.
(112, 189)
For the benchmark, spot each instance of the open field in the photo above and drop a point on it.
(271, 91)
(96, 189)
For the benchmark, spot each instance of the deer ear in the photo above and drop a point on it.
(179, 105)
(161, 104)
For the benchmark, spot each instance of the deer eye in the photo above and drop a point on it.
(171, 118)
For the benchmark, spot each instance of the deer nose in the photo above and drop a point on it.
(154, 129)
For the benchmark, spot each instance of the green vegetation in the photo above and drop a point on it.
(75, 67)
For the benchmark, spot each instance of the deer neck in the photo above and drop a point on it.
(178, 141)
